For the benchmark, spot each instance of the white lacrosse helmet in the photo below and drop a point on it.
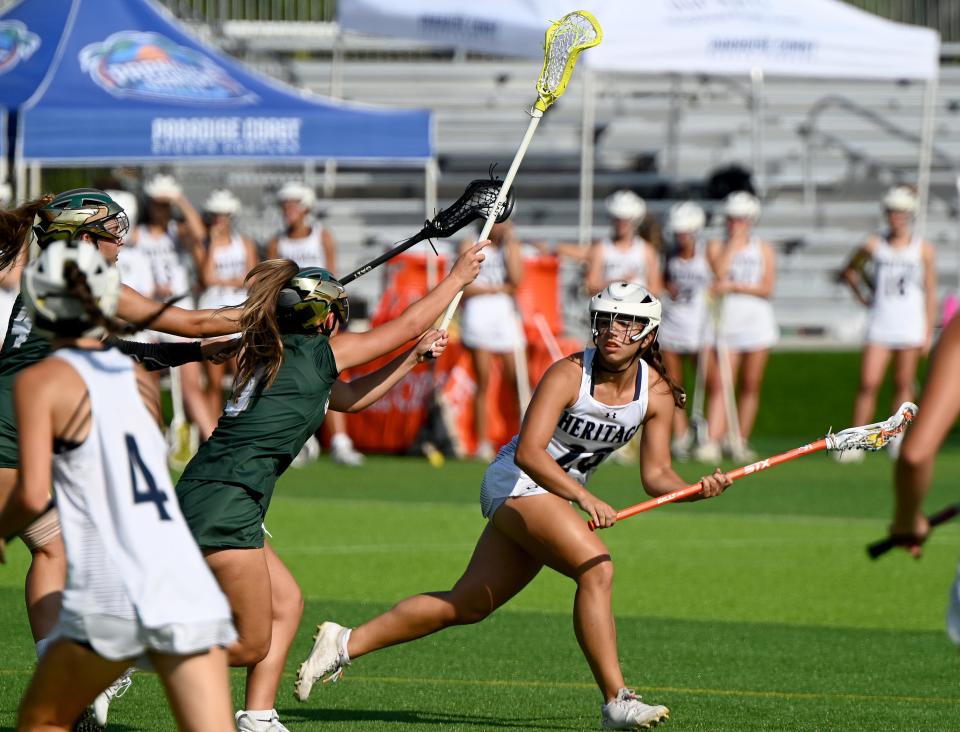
(741, 205)
(223, 202)
(900, 198)
(686, 218)
(128, 202)
(294, 190)
(626, 205)
(162, 188)
(623, 300)
(47, 293)
(6, 194)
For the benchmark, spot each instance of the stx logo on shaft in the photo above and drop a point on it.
(756, 467)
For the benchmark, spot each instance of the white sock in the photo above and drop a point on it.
(341, 441)
(344, 642)
(261, 715)
(42, 645)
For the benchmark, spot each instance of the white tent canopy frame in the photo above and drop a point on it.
(752, 39)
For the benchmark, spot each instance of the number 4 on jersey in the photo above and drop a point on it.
(152, 494)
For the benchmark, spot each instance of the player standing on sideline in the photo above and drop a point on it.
(624, 257)
(687, 278)
(902, 306)
(309, 244)
(938, 412)
(293, 349)
(171, 235)
(136, 583)
(746, 272)
(228, 257)
(586, 406)
(489, 325)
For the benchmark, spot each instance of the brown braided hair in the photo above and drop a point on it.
(654, 359)
(261, 344)
(15, 226)
(80, 289)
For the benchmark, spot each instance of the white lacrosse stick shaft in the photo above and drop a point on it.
(535, 116)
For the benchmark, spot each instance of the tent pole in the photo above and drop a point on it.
(336, 92)
(21, 176)
(430, 176)
(35, 179)
(756, 103)
(926, 154)
(587, 145)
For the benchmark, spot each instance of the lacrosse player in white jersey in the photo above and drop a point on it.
(901, 297)
(308, 243)
(586, 406)
(625, 256)
(137, 586)
(687, 279)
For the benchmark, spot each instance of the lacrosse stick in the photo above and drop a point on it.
(565, 40)
(879, 548)
(182, 437)
(871, 437)
(698, 422)
(521, 370)
(726, 383)
(480, 199)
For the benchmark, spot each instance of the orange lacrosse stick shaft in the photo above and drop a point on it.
(691, 490)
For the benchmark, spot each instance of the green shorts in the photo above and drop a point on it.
(223, 515)
(8, 426)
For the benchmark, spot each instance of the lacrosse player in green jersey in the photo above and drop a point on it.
(293, 348)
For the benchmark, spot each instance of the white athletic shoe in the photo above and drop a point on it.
(628, 711)
(708, 452)
(308, 453)
(267, 721)
(485, 451)
(326, 661)
(343, 452)
(681, 444)
(101, 705)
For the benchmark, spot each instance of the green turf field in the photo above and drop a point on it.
(758, 610)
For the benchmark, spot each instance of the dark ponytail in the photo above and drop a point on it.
(15, 226)
(80, 289)
(654, 359)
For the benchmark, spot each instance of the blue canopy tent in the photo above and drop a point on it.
(122, 82)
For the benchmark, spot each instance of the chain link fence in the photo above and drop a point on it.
(217, 11)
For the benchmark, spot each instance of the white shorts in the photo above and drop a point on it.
(677, 340)
(125, 639)
(489, 323)
(747, 324)
(222, 297)
(503, 480)
(897, 335)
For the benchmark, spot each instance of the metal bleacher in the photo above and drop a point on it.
(480, 104)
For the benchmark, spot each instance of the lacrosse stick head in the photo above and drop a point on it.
(874, 436)
(477, 202)
(566, 39)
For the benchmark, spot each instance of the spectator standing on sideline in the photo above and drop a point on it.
(625, 256)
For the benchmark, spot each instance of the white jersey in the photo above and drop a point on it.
(488, 321)
(130, 555)
(625, 265)
(136, 270)
(588, 432)
(168, 271)
(747, 322)
(684, 317)
(897, 316)
(229, 263)
(306, 251)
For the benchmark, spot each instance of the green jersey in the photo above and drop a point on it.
(22, 346)
(261, 431)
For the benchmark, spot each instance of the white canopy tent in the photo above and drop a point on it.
(748, 38)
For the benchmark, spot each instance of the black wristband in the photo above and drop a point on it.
(156, 356)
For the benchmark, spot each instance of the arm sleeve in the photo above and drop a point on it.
(323, 358)
(156, 356)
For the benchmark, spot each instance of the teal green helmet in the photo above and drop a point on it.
(77, 211)
(307, 299)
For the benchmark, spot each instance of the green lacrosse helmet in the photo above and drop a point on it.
(308, 297)
(77, 211)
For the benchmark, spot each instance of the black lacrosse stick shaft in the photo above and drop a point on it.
(879, 548)
(475, 203)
